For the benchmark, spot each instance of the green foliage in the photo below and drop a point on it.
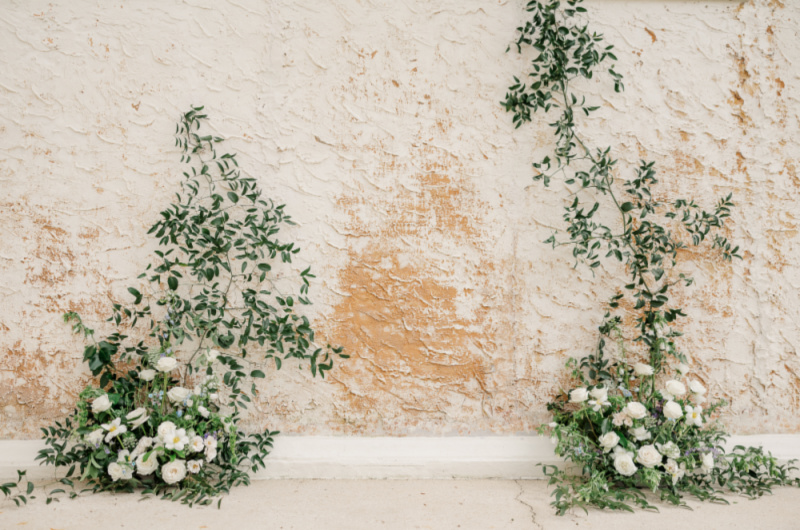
(628, 412)
(214, 311)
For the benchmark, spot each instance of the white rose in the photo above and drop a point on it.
(101, 404)
(624, 465)
(682, 368)
(115, 471)
(166, 364)
(173, 472)
(707, 463)
(143, 445)
(178, 394)
(600, 394)
(197, 444)
(676, 388)
(635, 410)
(146, 466)
(137, 417)
(147, 375)
(95, 437)
(608, 441)
(648, 456)
(672, 410)
(697, 388)
(579, 395)
(642, 369)
(640, 433)
(193, 466)
(203, 411)
(212, 355)
(669, 449)
(165, 429)
(211, 454)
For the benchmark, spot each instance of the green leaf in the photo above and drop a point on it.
(172, 281)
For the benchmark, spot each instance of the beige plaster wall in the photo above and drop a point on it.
(378, 124)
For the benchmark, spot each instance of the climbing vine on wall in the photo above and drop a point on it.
(635, 417)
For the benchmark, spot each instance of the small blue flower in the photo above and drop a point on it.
(626, 393)
(169, 350)
(180, 413)
(161, 393)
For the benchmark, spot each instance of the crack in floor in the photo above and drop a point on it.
(530, 506)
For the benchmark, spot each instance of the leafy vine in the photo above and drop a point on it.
(627, 407)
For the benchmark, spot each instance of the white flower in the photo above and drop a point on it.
(177, 440)
(193, 466)
(608, 441)
(669, 449)
(635, 410)
(143, 445)
(642, 369)
(137, 417)
(146, 464)
(213, 396)
(676, 388)
(621, 418)
(676, 471)
(682, 368)
(203, 411)
(197, 444)
(115, 471)
(173, 472)
(699, 399)
(707, 463)
(211, 443)
(95, 437)
(697, 388)
(579, 395)
(211, 454)
(114, 429)
(640, 433)
(624, 465)
(694, 415)
(147, 375)
(178, 394)
(166, 364)
(599, 394)
(211, 356)
(101, 404)
(165, 429)
(648, 456)
(672, 410)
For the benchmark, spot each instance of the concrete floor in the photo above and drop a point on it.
(390, 504)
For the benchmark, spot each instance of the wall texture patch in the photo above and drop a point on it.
(379, 125)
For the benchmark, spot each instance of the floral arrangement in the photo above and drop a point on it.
(162, 415)
(635, 416)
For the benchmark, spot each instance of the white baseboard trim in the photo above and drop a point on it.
(352, 457)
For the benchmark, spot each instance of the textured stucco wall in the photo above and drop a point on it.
(378, 123)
